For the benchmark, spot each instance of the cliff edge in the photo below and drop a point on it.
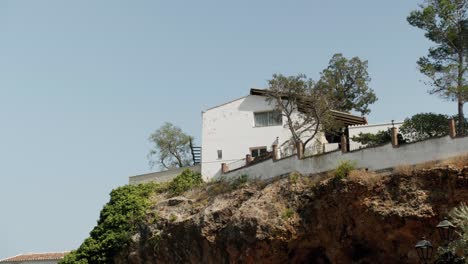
(365, 218)
(362, 218)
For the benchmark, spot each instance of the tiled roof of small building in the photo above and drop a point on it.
(36, 256)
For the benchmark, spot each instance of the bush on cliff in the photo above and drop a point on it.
(344, 169)
(120, 217)
(187, 180)
(117, 222)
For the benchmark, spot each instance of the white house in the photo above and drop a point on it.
(248, 125)
(35, 258)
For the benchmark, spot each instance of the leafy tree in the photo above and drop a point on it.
(425, 125)
(306, 105)
(126, 212)
(446, 64)
(346, 82)
(305, 108)
(118, 221)
(172, 147)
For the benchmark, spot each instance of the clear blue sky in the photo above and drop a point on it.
(83, 84)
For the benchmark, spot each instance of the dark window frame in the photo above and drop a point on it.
(258, 151)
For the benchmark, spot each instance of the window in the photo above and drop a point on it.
(271, 118)
(256, 152)
(220, 154)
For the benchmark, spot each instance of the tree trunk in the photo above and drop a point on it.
(179, 160)
(461, 117)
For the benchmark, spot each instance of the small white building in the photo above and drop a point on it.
(248, 125)
(161, 176)
(368, 128)
(35, 258)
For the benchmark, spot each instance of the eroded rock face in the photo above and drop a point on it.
(359, 220)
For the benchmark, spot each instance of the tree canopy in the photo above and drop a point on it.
(346, 82)
(171, 147)
(446, 65)
(288, 93)
(306, 104)
(118, 221)
(425, 125)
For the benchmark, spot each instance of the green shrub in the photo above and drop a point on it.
(120, 217)
(185, 181)
(240, 181)
(173, 218)
(288, 213)
(293, 177)
(369, 139)
(344, 168)
(218, 188)
(152, 217)
(117, 222)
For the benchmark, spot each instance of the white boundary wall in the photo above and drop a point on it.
(161, 176)
(376, 158)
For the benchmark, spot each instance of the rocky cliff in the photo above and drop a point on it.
(365, 218)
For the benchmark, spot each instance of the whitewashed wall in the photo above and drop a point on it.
(231, 128)
(373, 158)
(161, 176)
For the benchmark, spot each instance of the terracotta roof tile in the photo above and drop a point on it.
(36, 256)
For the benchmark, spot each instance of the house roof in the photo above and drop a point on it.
(377, 124)
(231, 101)
(36, 257)
(346, 118)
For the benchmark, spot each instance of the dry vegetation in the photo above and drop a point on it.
(371, 178)
(368, 178)
(458, 162)
(202, 194)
